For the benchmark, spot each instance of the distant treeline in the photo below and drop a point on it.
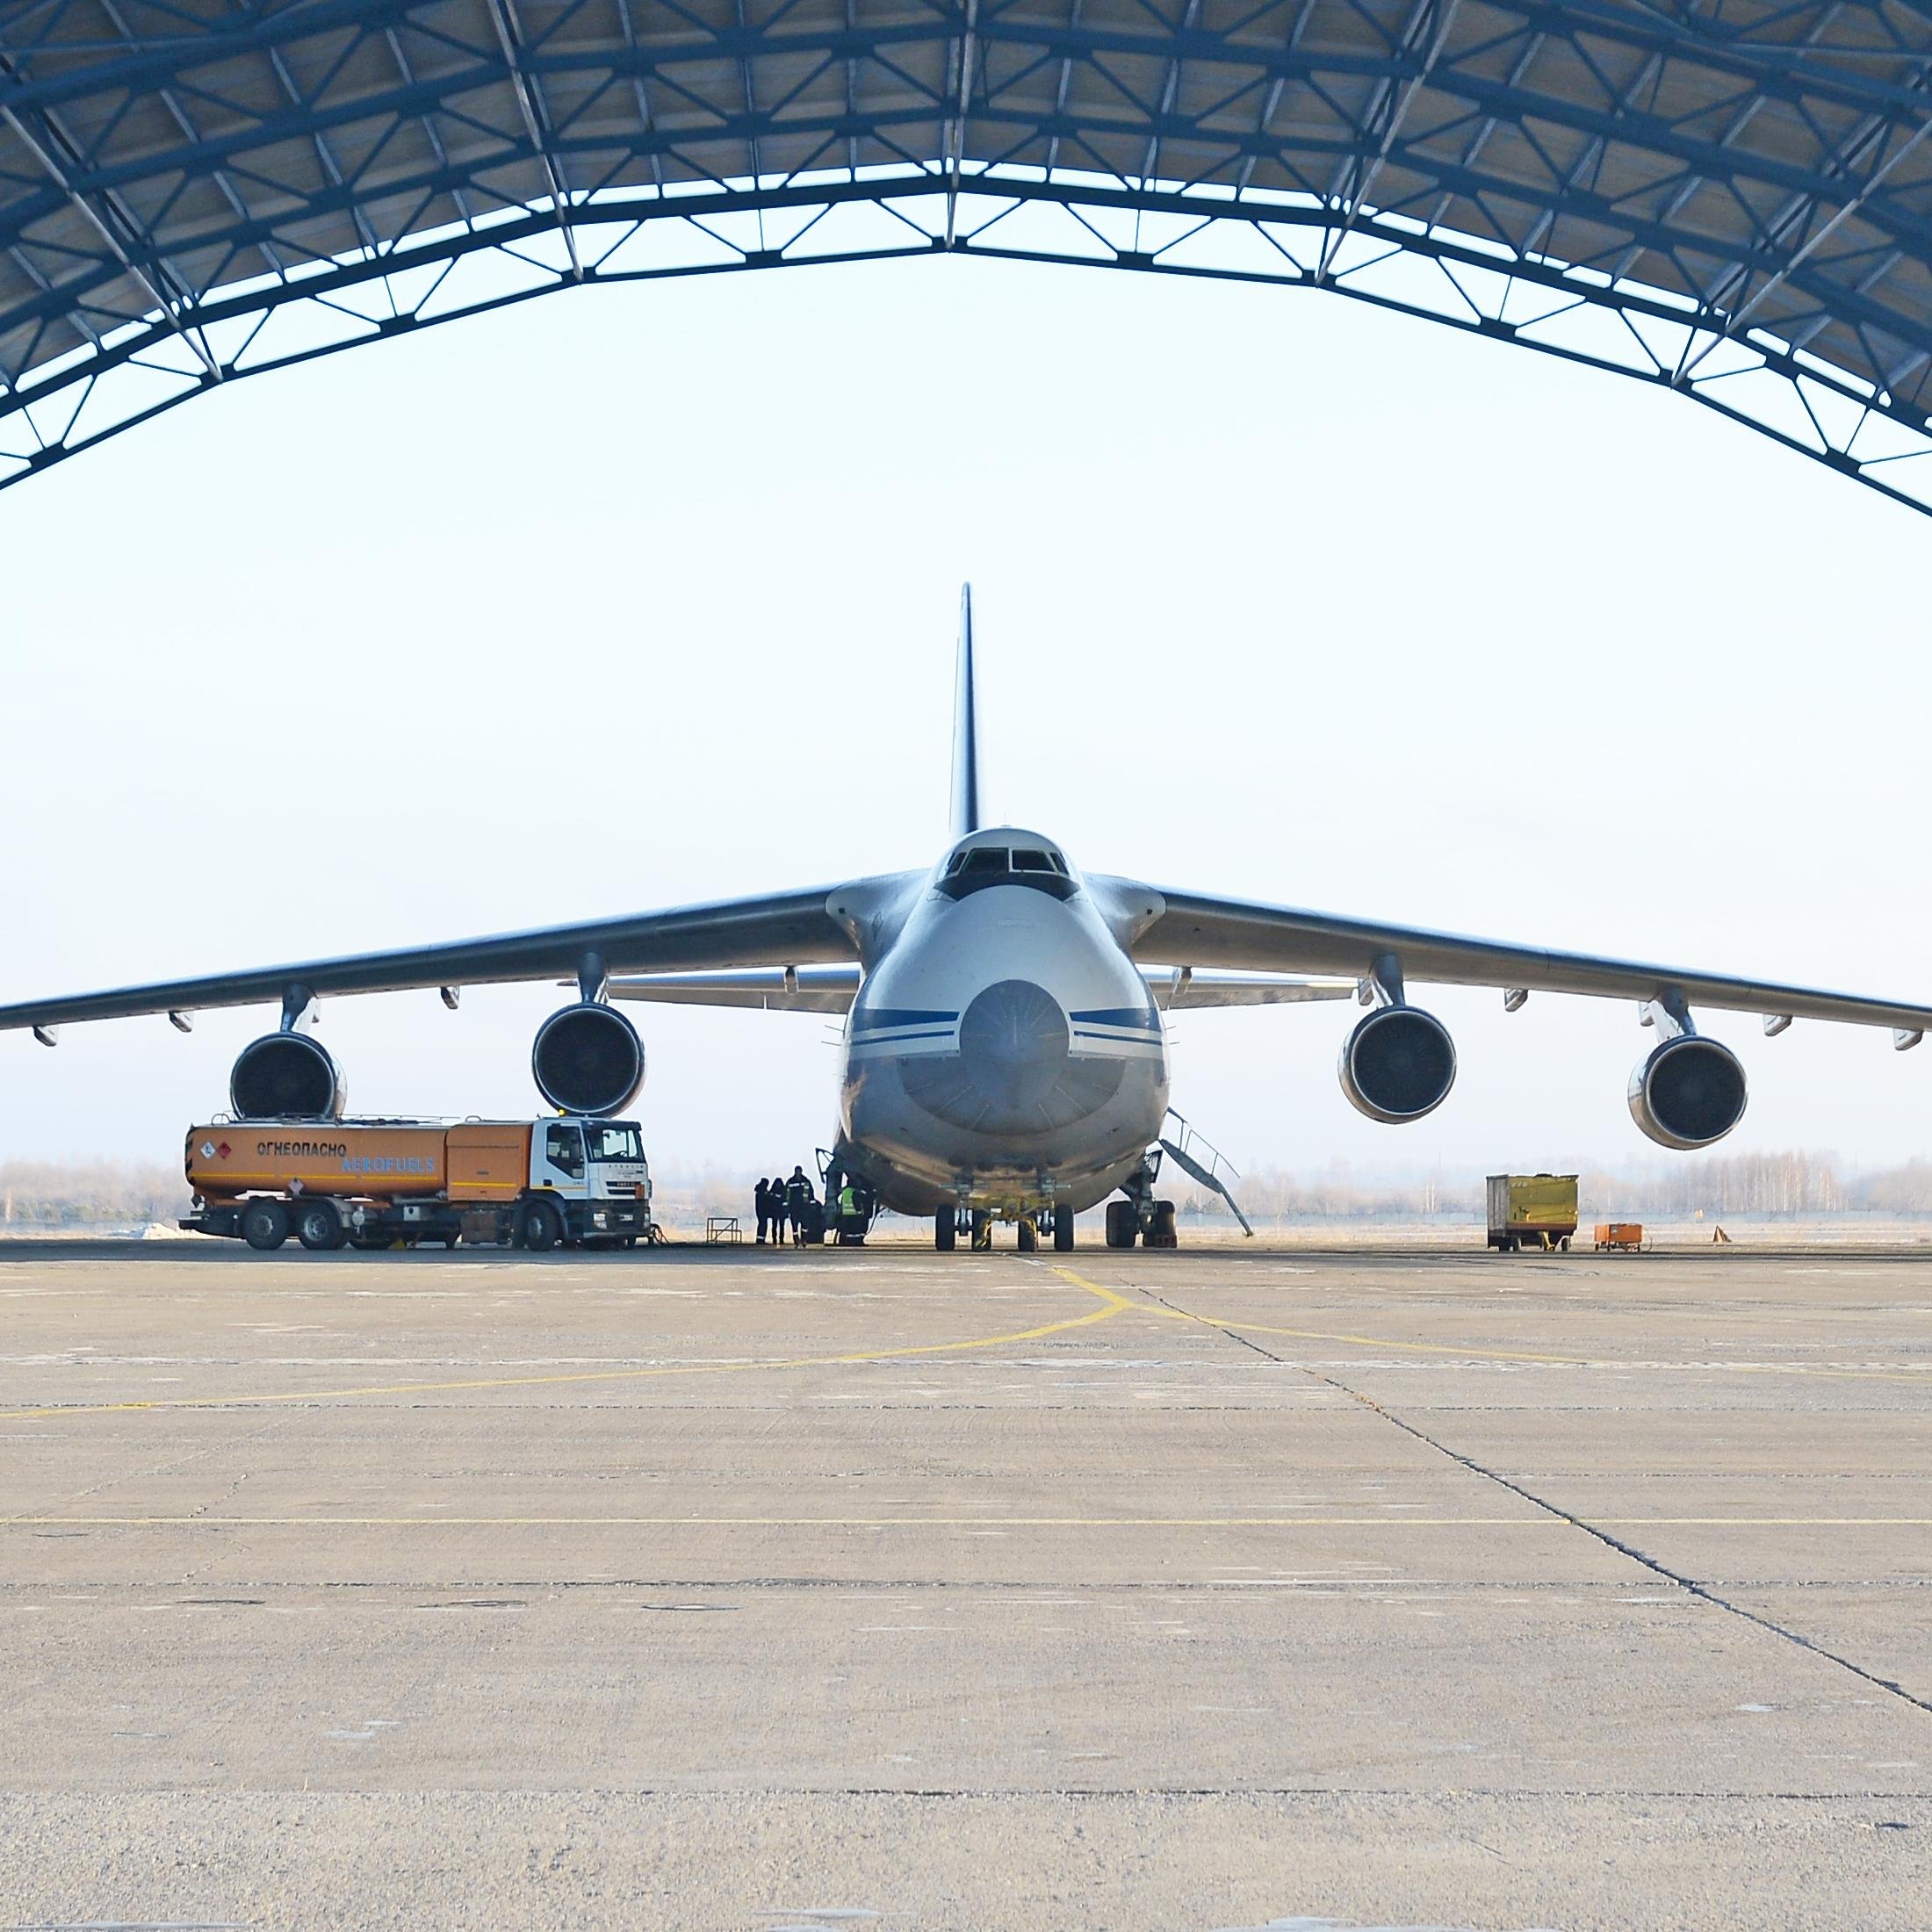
(1797, 1185)
(41, 1194)
(44, 1194)
(1744, 1184)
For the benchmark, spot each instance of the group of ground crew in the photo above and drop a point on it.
(792, 1204)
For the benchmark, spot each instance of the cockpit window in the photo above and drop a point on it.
(980, 866)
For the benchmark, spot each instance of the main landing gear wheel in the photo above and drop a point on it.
(265, 1224)
(541, 1227)
(1029, 1234)
(1122, 1224)
(319, 1225)
(1062, 1230)
(945, 1229)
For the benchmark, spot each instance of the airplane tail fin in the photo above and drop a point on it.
(965, 727)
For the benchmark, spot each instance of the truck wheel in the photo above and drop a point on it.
(542, 1227)
(1029, 1234)
(318, 1224)
(983, 1228)
(945, 1229)
(1062, 1230)
(265, 1224)
(1564, 1244)
(1161, 1234)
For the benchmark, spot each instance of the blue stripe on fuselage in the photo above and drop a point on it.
(876, 1018)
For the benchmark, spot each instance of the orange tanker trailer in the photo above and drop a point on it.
(371, 1184)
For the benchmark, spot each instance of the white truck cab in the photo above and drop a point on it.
(596, 1171)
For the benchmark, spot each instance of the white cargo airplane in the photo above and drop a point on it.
(1006, 1053)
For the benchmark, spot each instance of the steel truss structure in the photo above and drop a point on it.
(1732, 199)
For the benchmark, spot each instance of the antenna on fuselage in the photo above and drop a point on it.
(965, 727)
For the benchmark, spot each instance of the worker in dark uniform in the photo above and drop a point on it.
(799, 1200)
(761, 1197)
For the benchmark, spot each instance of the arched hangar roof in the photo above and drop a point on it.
(1729, 198)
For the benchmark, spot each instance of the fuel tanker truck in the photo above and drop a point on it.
(577, 1180)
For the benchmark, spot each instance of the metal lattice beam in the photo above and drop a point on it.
(1735, 206)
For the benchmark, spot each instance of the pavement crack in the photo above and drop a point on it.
(1702, 1591)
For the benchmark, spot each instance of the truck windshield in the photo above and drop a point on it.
(616, 1141)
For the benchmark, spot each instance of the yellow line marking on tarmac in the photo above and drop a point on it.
(1526, 1520)
(1115, 1304)
(1924, 1379)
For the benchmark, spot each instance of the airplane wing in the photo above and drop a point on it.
(807, 989)
(1182, 989)
(780, 929)
(833, 989)
(1201, 931)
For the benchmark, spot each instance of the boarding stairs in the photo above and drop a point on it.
(1198, 1157)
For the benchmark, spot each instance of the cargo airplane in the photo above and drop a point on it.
(1005, 1047)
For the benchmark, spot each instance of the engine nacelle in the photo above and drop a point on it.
(1688, 1092)
(286, 1077)
(1398, 1065)
(588, 1059)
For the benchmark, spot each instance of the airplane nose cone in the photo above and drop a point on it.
(1013, 1045)
(1015, 1072)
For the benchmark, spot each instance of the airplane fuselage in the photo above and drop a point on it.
(1004, 1051)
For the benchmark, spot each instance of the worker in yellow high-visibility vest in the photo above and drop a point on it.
(851, 1217)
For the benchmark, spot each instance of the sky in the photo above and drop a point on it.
(645, 594)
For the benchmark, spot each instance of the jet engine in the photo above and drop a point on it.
(1398, 1065)
(1688, 1092)
(588, 1059)
(287, 1076)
